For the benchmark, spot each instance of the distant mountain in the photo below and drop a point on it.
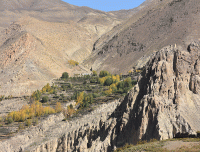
(161, 23)
(38, 37)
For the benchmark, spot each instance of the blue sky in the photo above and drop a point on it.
(107, 5)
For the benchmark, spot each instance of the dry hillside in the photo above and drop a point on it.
(39, 37)
(161, 23)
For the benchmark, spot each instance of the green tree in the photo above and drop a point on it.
(94, 73)
(65, 75)
(104, 73)
(108, 82)
(128, 82)
(45, 99)
(36, 95)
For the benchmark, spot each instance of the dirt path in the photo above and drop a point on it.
(173, 145)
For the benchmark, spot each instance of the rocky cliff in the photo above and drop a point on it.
(164, 103)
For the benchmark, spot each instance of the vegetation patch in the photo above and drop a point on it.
(73, 63)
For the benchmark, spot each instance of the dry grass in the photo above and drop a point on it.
(156, 146)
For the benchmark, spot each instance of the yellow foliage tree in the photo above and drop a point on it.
(34, 110)
(58, 107)
(80, 98)
(72, 62)
(108, 92)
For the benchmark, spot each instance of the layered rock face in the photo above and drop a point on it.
(165, 102)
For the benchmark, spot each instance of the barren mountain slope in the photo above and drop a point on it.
(164, 23)
(39, 37)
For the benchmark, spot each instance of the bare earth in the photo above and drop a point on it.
(173, 145)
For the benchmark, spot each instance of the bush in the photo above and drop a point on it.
(28, 112)
(21, 126)
(47, 88)
(65, 75)
(108, 82)
(120, 85)
(95, 95)
(104, 73)
(36, 95)
(71, 106)
(45, 99)
(28, 122)
(70, 86)
(58, 107)
(85, 82)
(10, 120)
(94, 73)
(35, 121)
(128, 82)
(134, 83)
(72, 62)
(83, 99)
(107, 92)
(56, 96)
(93, 80)
(2, 97)
(64, 87)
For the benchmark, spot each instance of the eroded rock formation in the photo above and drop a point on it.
(165, 102)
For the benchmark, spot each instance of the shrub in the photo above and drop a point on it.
(84, 99)
(128, 82)
(62, 97)
(28, 122)
(108, 82)
(108, 92)
(93, 80)
(134, 82)
(72, 62)
(58, 107)
(64, 87)
(65, 75)
(115, 78)
(104, 73)
(56, 96)
(2, 97)
(35, 121)
(120, 85)
(21, 126)
(36, 95)
(9, 97)
(28, 112)
(1, 119)
(10, 120)
(94, 73)
(70, 86)
(79, 97)
(113, 87)
(95, 95)
(102, 80)
(45, 99)
(71, 106)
